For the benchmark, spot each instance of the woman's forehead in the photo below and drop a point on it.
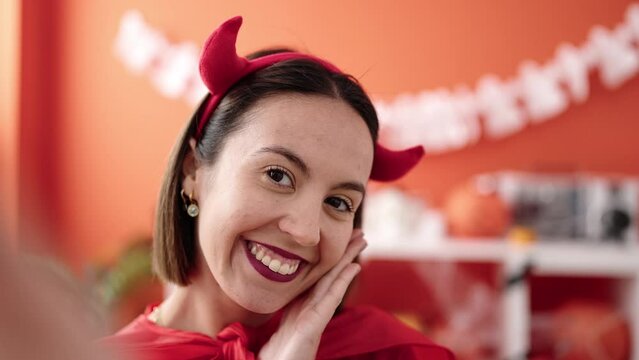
(297, 115)
(320, 130)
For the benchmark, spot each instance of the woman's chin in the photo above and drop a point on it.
(262, 305)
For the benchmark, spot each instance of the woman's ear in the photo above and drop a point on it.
(189, 170)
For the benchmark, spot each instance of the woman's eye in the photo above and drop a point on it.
(339, 204)
(280, 177)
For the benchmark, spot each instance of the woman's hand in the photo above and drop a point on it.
(304, 321)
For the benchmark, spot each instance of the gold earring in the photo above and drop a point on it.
(190, 205)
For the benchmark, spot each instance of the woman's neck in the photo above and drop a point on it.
(203, 307)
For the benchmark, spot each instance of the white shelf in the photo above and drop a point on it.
(557, 257)
(585, 260)
(563, 258)
(466, 250)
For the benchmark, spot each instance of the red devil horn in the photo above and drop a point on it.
(219, 64)
(221, 67)
(391, 165)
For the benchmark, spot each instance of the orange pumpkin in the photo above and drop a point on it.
(587, 330)
(476, 210)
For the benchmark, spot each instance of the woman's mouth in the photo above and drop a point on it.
(273, 263)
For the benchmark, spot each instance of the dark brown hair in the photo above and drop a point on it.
(174, 246)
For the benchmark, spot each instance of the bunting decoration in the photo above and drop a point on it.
(440, 120)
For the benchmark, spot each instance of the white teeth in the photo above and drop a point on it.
(275, 265)
(266, 260)
(283, 267)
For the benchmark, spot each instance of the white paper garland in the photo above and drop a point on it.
(440, 120)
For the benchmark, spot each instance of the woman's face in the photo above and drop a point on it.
(277, 207)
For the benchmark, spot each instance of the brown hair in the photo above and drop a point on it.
(174, 245)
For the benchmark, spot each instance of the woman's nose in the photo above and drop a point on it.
(302, 223)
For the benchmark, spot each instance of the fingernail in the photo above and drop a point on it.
(356, 267)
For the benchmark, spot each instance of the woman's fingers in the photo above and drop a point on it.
(305, 320)
(355, 246)
(321, 306)
(335, 292)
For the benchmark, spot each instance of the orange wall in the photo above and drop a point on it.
(113, 131)
(9, 118)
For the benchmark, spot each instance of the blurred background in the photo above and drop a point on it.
(515, 237)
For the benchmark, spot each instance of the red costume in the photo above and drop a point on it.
(356, 333)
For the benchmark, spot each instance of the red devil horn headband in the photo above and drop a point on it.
(221, 67)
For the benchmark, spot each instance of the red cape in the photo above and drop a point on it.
(355, 333)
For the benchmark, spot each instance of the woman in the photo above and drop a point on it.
(258, 213)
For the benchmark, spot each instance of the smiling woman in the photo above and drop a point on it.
(258, 218)
(255, 198)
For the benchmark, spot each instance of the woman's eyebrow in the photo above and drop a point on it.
(288, 154)
(351, 186)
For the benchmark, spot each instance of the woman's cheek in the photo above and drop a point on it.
(337, 247)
